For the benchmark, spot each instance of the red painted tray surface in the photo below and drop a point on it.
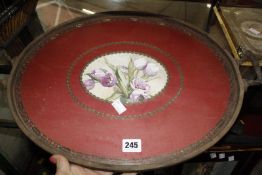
(179, 100)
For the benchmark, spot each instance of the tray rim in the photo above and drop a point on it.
(123, 165)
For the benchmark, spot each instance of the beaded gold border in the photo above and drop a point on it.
(127, 51)
(110, 116)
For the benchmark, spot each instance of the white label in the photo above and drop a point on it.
(222, 155)
(131, 145)
(119, 107)
(231, 158)
(254, 31)
(213, 155)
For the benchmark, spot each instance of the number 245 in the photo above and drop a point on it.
(131, 145)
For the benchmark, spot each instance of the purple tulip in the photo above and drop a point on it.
(138, 95)
(108, 80)
(89, 84)
(140, 63)
(138, 83)
(151, 69)
(98, 74)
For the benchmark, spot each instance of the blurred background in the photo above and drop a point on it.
(236, 25)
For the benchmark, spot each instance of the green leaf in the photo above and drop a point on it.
(122, 82)
(91, 76)
(104, 70)
(114, 96)
(110, 65)
(123, 99)
(131, 69)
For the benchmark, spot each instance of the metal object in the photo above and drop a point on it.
(242, 28)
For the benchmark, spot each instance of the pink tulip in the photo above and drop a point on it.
(89, 84)
(151, 69)
(140, 63)
(138, 95)
(138, 83)
(108, 80)
(98, 74)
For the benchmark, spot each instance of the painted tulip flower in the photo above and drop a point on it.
(138, 95)
(138, 83)
(98, 74)
(89, 84)
(151, 69)
(140, 63)
(109, 80)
